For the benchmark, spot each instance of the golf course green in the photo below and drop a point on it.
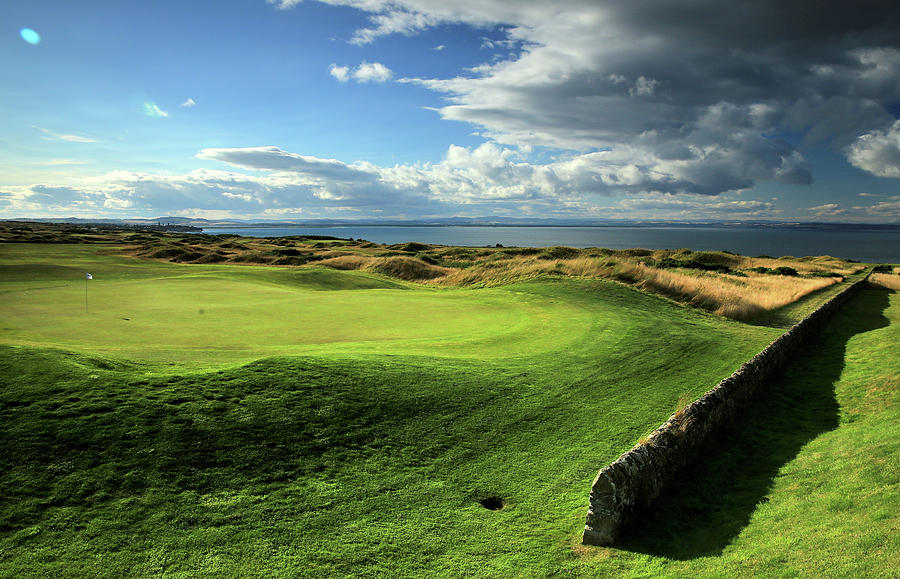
(212, 315)
(181, 419)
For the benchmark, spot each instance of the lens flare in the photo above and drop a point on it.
(30, 36)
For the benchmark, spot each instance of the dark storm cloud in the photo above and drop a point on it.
(605, 75)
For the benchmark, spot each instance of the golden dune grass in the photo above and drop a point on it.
(728, 295)
(885, 280)
(500, 272)
(346, 262)
(402, 267)
(407, 268)
(803, 265)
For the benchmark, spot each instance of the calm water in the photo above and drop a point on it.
(861, 245)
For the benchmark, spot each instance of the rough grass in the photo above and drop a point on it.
(887, 281)
(401, 267)
(743, 297)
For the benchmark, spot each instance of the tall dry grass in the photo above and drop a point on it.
(501, 272)
(885, 280)
(402, 267)
(347, 262)
(805, 265)
(737, 297)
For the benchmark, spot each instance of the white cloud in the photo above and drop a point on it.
(665, 206)
(485, 180)
(439, 47)
(65, 137)
(493, 178)
(275, 159)
(365, 72)
(189, 103)
(827, 210)
(372, 72)
(497, 44)
(247, 197)
(643, 87)
(699, 97)
(152, 110)
(341, 73)
(885, 209)
(284, 4)
(486, 173)
(394, 22)
(878, 152)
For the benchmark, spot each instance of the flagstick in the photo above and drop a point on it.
(85, 294)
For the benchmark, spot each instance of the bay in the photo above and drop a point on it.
(866, 245)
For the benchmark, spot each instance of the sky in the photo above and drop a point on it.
(415, 109)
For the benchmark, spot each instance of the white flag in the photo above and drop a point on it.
(89, 276)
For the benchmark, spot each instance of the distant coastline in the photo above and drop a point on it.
(87, 224)
(484, 221)
(860, 244)
(870, 243)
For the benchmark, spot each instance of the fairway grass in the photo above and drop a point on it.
(375, 417)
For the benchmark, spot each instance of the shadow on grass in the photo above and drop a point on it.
(789, 314)
(709, 505)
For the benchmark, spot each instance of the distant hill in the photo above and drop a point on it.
(462, 221)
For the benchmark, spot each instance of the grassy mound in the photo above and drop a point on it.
(408, 268)
(336, 463)
(406, 407)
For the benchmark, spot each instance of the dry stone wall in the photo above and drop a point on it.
(625, 488)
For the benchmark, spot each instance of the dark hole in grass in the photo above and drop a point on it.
(492, 503)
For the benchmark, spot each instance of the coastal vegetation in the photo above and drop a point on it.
(171, 418)
(735, 286)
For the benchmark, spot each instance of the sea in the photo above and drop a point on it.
(876, 245)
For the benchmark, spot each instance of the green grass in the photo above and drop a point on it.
(202, 316)
(363, 451)
(807, 484)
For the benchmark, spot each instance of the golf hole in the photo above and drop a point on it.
(492, 503)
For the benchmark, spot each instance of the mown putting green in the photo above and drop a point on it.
(359, 450)
(201, 316)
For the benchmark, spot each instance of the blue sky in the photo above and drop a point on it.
(420, 108)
